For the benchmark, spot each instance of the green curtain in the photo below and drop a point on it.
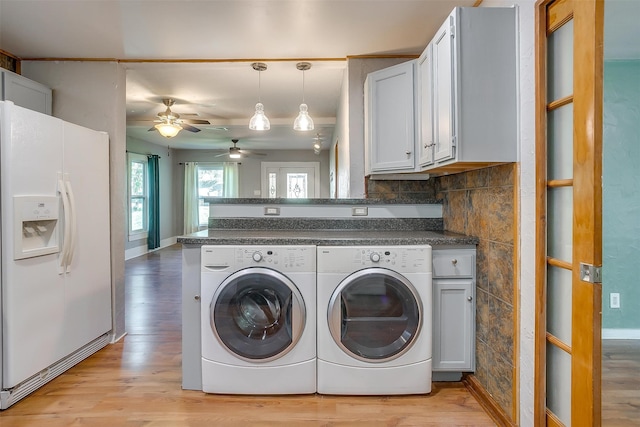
(153, 239)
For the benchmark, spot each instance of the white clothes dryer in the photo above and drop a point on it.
(258, 319)
(374, 320)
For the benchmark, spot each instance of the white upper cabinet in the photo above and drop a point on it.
(464, 93)
(424, 81)
(24, 92)
(473, 119)
(390, 119)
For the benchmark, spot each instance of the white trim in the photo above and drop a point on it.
(143, 249)
(621, 334)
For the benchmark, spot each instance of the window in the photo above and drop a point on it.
(138, 196)
(210, 184)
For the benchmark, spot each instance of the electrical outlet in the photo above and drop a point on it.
(614, 300)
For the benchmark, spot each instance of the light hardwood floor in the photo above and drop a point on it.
(621, 383)
(136, 382)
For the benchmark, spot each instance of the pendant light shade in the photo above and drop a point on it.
(259, 121)
(303, 121)
(168, 130)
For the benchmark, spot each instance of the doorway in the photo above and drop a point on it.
(290, 180)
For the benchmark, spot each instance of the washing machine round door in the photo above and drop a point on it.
(375, 315)
(258, 314)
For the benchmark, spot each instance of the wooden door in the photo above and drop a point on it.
(569, 68)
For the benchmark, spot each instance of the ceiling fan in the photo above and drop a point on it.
(170, 123)
(236, 153)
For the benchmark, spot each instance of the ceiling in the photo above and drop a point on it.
(206, 47)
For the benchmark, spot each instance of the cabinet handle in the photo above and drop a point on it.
(197, 298)
(408, 153)
(429, 145)
(454, 261)
(469, 298)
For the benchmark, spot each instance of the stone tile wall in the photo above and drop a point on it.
(416, 190)
(480, 203)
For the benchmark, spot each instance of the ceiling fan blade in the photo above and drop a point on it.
(221, 155)
(251, 153)
(195, 121)
(152, 128)
(189, 127)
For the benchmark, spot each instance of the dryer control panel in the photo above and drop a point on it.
(407, 259)
(282, 258)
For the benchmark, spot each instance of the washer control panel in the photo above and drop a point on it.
(282, 258)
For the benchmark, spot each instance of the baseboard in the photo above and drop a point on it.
(621, 334)
(497, 414)
(10, 396)
(143, 250)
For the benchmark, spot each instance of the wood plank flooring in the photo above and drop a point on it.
(136, 382)
(621, 383)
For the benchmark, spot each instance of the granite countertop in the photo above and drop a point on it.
(325, 237)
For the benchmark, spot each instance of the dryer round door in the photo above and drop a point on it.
(258, 314)
(375, 315)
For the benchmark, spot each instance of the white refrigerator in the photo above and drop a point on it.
(55, 248)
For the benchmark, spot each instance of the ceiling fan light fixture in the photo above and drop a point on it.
(259, 121)
(304, 121)
(235, 155)
(168, 130)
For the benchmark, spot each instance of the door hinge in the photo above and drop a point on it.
(590, 273)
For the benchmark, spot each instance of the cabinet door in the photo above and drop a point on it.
(390, 118)
(425, 106)
(453, 325)
(25, 93)
(443, 91)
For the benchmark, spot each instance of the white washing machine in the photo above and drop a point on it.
(258, 319)
(374, 320)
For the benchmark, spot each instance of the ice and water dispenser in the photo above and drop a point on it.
(36, 226)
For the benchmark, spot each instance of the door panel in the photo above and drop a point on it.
(568, 153)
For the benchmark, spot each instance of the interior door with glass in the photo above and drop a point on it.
(291, 181)
(569, 37)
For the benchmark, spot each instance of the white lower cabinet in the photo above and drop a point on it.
(454, 309)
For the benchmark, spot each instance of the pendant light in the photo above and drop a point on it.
(259, 121)
(303, 121)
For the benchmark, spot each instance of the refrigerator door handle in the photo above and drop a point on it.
(67, 228)
(72, 225)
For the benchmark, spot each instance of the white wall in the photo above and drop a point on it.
(92, 94)
(527, 242)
